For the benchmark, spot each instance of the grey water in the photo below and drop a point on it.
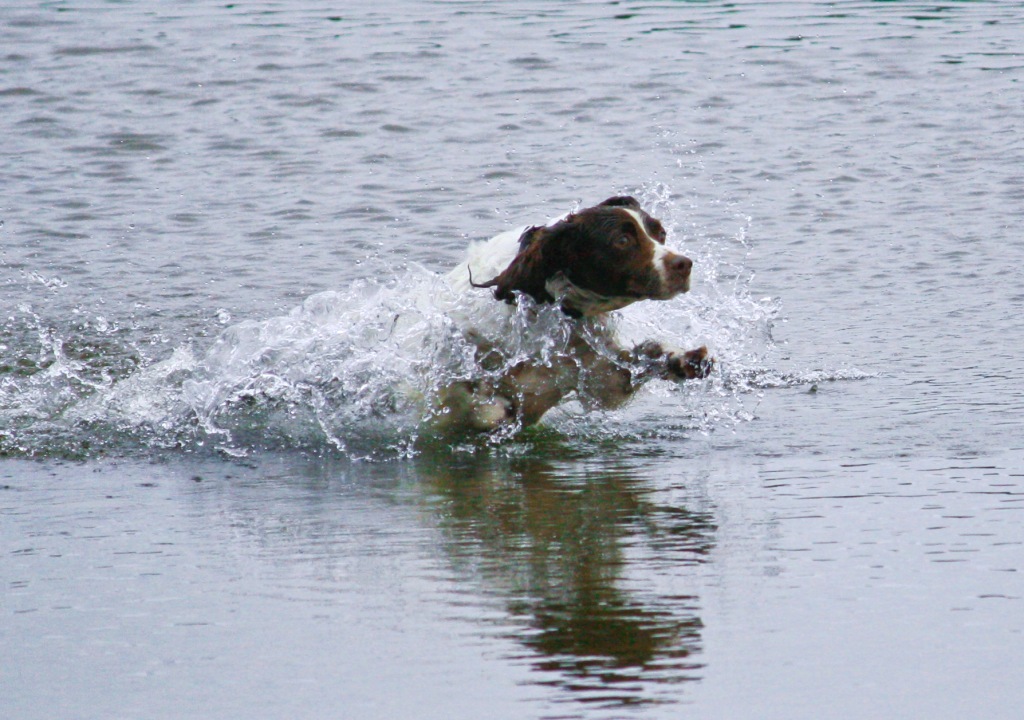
(213, 504)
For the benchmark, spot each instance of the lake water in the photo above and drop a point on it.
(212, 504)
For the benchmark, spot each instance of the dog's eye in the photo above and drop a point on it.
(622, 242)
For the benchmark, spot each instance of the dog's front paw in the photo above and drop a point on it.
(678, 364)
(690, 365)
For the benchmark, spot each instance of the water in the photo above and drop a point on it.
(215, 501)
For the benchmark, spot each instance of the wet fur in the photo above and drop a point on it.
(590, 263)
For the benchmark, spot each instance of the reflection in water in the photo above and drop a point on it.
(562, 546)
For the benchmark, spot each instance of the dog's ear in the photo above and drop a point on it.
(621, 201)
(529, 235)
(536, 261)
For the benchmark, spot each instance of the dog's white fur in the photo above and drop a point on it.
(484, 260)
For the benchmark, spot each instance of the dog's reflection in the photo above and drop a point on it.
(596, 573)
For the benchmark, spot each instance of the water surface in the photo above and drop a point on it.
(210, 212)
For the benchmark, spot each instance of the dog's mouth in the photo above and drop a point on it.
(663, 286)
(666, 279)
(676, 286)
(580, 302)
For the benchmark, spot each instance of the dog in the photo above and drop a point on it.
(583, 266)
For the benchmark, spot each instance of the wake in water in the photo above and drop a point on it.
(359, 371)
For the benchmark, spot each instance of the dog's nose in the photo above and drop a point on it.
(679, 264)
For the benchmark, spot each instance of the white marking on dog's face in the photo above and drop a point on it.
(639, 217)
(668, 265)
(661, 254)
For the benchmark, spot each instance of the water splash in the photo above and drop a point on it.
(359, 371)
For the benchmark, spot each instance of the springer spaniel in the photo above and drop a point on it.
(588, 264)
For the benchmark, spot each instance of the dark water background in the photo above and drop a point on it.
(829, 527)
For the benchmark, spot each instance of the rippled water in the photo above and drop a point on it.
(211, 215)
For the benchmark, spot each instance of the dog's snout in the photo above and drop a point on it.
(675, 273)
(679, 264)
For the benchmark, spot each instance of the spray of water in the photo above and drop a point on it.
(359, 371)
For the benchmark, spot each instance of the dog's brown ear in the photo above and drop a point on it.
(530, 269)
(621, 201)
(529, 235)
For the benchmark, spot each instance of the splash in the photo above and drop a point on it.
(358, 372)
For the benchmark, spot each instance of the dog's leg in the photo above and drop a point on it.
(473, 406)
(537, 388)
(675, 364)
(606, 384)
(610, 378)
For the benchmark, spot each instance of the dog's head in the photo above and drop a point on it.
(596, 260)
